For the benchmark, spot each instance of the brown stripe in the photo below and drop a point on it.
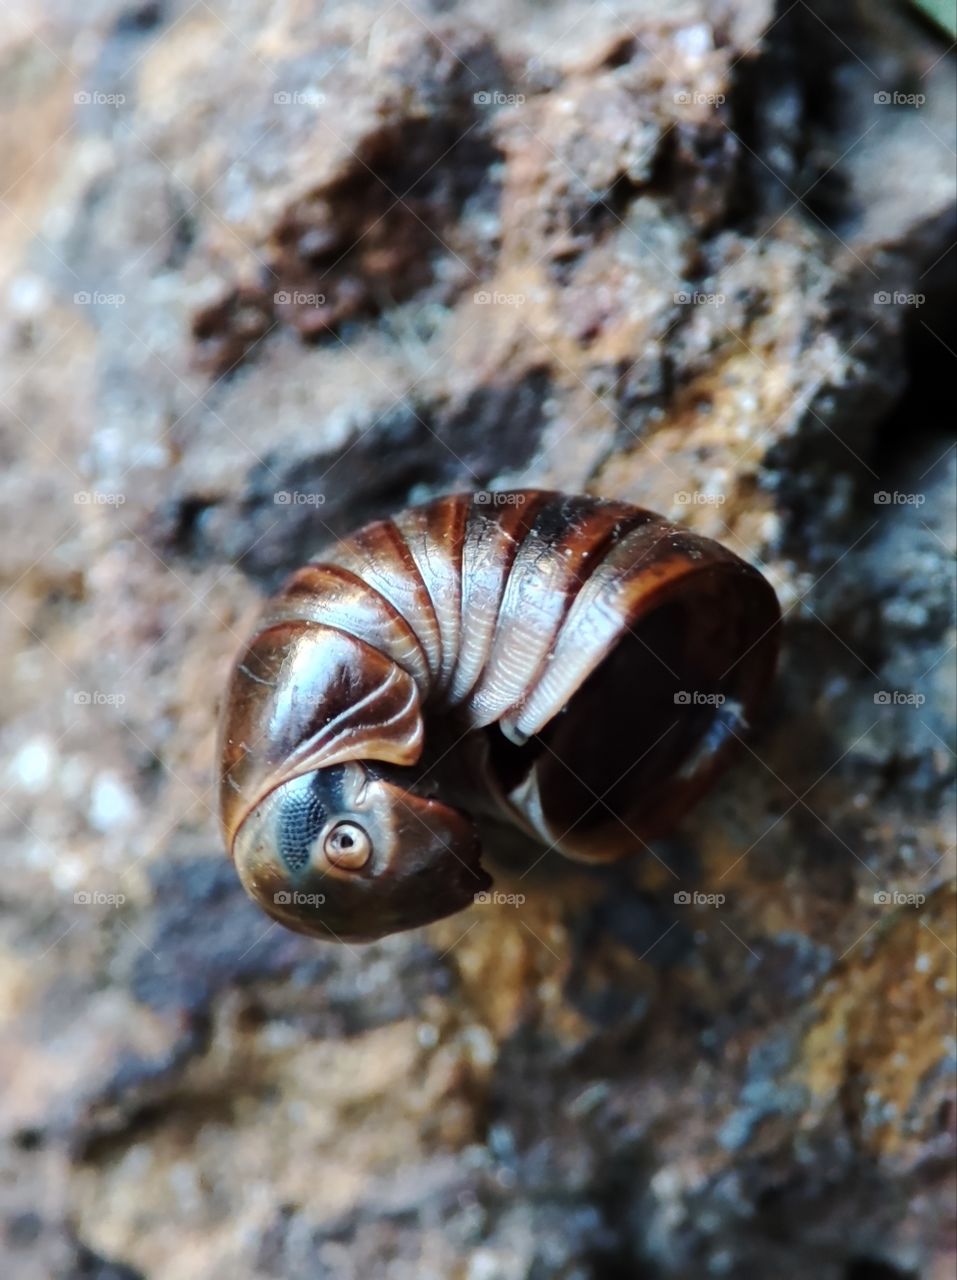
(378, 554)
(493, 536)
(335, 596)
(568, 538)
(435, 535)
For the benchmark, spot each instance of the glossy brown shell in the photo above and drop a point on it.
(581, 668)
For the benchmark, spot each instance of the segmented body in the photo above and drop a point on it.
(498, 619)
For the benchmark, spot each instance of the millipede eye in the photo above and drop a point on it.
(301, 820)
(347, 845)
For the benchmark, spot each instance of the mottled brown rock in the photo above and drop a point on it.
(699, 259)
(385, 223)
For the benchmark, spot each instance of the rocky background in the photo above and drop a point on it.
(269, 269)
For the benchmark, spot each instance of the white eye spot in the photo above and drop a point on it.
(347, 845)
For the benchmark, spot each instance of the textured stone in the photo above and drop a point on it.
(696, 259)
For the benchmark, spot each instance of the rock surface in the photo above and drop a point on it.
(271, 270)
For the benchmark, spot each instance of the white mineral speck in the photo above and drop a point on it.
(67, 871)
(694, 41)
(31, 766)
(427, 1035)
(480, 1045)
(486, 1265)
(112, 804)
(27, 296)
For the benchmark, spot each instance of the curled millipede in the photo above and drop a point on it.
(576, 667)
